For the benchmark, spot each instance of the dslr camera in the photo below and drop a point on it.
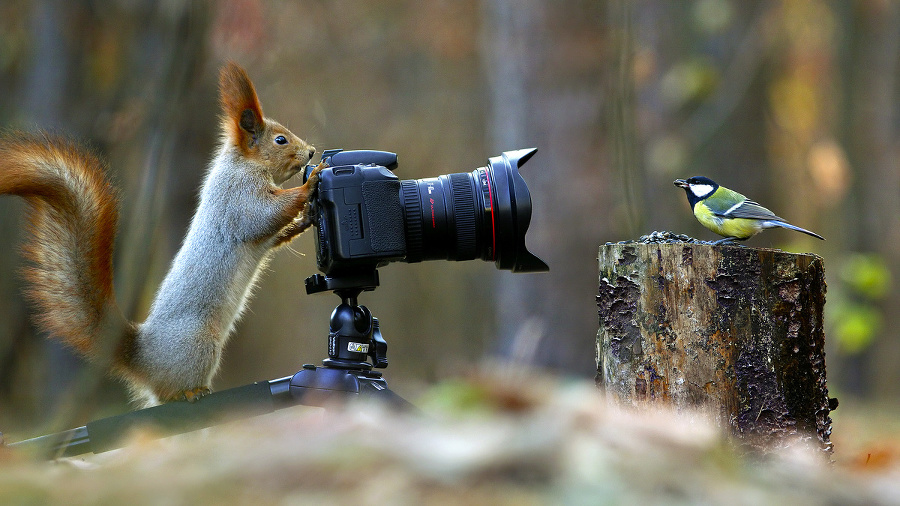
(366, 217)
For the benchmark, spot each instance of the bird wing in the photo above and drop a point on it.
(725, 203)
(750, 210)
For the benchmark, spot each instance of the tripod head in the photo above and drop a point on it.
(354, 334)
(354, 337)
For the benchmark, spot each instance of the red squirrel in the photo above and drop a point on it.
(243, 215)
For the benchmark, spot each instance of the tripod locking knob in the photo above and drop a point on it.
(379, 351)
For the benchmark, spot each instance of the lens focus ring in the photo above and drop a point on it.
(409, 194)
(464, 215)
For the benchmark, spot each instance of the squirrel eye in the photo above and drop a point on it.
(280, 140)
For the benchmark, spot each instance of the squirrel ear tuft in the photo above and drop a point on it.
(242, 116)
(249, 121)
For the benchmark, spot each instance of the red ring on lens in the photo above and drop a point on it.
(487, 173)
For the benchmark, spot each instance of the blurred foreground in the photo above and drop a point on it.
(517, 440)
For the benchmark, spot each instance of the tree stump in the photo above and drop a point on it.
(732, 329)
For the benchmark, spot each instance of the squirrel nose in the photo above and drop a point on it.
(312, 151)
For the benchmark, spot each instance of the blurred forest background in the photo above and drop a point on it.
(790, 102)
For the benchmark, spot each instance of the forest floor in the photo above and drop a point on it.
(482, 440)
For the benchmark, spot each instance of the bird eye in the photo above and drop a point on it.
(280, 140)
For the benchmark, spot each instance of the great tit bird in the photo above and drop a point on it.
(728, 213)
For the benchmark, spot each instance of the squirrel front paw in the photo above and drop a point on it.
(190, 395)
(313, 178)
(311, 185)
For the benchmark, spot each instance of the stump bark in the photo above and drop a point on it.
(735, 330)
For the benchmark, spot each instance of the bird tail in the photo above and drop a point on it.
(784, 224)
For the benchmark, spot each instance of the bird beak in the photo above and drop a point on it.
(681, 183)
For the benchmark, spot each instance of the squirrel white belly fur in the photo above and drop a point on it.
(242, 216)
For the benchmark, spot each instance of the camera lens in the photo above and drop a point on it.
(482, 214)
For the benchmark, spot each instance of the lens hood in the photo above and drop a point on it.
(513, 213)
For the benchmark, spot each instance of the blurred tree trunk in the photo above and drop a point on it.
(622, 124)
(46, 98)
(529, 108)
(508, 25)
(171, 50)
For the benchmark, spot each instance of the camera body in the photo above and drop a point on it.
(359, 218)
(366, 217)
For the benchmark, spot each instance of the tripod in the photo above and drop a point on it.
(354, 337)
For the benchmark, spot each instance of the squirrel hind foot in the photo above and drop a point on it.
(190, 395)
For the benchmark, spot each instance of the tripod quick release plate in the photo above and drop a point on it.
(363, 282)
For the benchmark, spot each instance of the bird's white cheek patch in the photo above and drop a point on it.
(701, 189)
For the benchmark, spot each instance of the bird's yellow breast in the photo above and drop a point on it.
(740, 228)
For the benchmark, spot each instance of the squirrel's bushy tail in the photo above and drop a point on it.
(72, 215)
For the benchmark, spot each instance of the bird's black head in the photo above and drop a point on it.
(697, 188)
